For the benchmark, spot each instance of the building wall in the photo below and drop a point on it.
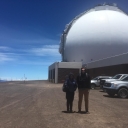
(109, 70)
(62, 72)
(58, 70)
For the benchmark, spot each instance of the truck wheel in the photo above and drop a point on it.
(123, 93)
(111, 94)
(93, 86)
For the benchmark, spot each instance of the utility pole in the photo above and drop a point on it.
(24, 78)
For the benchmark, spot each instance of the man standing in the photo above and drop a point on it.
(83, 81)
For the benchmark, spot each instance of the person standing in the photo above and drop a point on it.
(71, 85)
(84, 86)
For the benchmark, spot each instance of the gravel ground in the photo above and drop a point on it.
(40, 104)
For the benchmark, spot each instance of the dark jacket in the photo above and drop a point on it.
(84, 81)
(71, 84)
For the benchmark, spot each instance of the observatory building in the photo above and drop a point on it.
(97, 39)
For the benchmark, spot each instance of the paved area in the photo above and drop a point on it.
(40, 104)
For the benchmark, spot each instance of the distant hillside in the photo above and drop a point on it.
(3, 80)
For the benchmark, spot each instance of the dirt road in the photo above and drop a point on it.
(40, 104)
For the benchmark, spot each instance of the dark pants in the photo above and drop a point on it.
(70, 98)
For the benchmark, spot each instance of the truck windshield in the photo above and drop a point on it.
(125, 79)
(96, 78)
(116, 77)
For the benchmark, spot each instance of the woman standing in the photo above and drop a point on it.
(71, 88)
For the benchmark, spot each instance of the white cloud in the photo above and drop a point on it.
(46, 50)
(3, 48)
(30, 62)
(4, 57)
(35, 41)
(16, 36)
(51, 46)
(48, 54)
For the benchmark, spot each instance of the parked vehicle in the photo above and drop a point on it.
(119, 87)
(96, 81)
(116, 77)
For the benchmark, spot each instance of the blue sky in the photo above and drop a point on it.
(30, 33)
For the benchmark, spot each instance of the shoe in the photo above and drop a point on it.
(87, 112)
(68, 111)
(71, 111)
(79, 111)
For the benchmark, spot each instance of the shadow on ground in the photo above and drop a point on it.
(110, 96)
(82, 112)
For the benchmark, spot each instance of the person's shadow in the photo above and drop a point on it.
(68, 112)
(82, 112)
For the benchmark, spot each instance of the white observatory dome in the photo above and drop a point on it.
(95, 34)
